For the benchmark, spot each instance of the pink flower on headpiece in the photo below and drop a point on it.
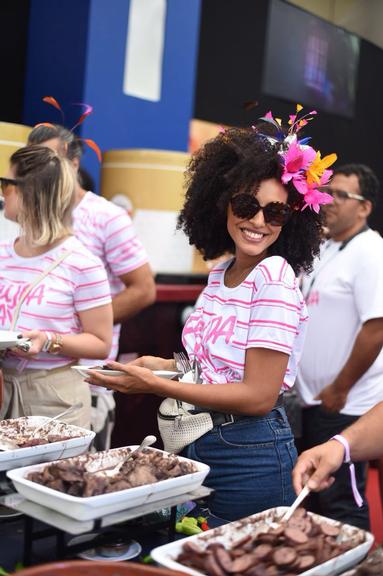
(296, 159)
(313, 197)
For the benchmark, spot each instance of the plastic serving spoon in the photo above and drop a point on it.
(298, 500)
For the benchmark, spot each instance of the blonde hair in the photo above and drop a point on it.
(46, 184)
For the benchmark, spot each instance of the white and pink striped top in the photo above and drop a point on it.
(107, 231)
(266, 310)
(78, 283)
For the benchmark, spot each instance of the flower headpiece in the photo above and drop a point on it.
(303, 166)
(87, 110)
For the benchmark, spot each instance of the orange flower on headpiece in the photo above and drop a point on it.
(316, 170)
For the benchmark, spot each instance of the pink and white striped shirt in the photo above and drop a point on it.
(266, 310)
(78, 283)
(107, 231)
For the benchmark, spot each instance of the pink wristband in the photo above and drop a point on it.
(347, 459)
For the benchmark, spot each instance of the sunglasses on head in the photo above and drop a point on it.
(246, 206)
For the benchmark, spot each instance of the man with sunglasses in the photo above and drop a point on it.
(341, 371)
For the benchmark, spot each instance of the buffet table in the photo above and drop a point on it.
(63, 525)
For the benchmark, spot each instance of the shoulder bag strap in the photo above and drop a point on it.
(37, 281)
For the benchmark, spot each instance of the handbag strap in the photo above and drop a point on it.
(44, 273)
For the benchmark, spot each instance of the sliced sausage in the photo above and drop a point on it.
(262, 551)
(284, 556)
(296, 536)
(223, 558)
(192, 547)
(242, 563)
(329, 529)
(212, 567)
(306, 561)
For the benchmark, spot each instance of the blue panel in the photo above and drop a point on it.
(121, 121)
(76, 53)
(57, 50)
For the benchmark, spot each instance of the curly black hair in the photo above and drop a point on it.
(238, 160)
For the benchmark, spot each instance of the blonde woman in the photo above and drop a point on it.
(52, 290)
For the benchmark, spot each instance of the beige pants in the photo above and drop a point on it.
(45, 393)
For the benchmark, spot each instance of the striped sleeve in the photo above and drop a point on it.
(123, 250)
(274, 317)
(92, 287)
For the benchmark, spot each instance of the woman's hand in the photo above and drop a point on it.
(154, 363)
(315, 466)
(37, 338)
(136, 379)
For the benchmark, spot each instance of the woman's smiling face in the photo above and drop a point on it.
(252, 237)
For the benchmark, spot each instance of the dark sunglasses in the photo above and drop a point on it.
(4, 182)
(247, 206)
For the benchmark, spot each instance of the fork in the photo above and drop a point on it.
(182, 362)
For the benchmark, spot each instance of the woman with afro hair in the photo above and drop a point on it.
(247, 332)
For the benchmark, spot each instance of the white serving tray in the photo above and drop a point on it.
(97, 506)
(75, 446)
(229, 533)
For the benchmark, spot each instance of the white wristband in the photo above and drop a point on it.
(47, 342)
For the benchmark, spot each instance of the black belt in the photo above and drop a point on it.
(220, 418)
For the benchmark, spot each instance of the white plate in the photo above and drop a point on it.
(134, 550)
(46, 452)
(89, 508)
(169, 374)
(229, 533)
(9, 339)
(83, 370)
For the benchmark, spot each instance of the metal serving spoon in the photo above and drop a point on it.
(69, 410)
(9, 444)
(147, 441)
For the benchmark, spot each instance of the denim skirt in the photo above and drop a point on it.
(250, 461)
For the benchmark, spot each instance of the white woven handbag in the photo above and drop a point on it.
(177, 426)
